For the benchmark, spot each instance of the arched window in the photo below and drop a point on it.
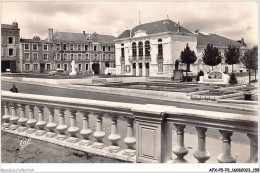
(122, 52)
(140, 48)
(134, 49)
(147, 48)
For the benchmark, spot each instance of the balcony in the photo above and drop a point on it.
(150, 142)
(159, 57)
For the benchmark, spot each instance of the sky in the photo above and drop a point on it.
(230, 19)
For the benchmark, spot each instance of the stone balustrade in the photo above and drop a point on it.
(148, 127)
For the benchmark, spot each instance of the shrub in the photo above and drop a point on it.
(201, 73)
(233, 79)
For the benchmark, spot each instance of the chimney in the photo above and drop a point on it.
(15, 24)
(50, 34)
(179, 27)
(84, 33)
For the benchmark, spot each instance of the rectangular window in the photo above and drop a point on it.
(35, 56)
(65, 57)
(160, 67)
(122, 52)
(86, 56)
(86, 47)
(58, 56)
(10, 40)
(48, 66)
(122, 68)
(45, 47)
(11, 51)
(104, 57)
(108, 48)
(64, 47)
(26, 47)
(27, 67)
(86, 67)
(95, 48)
(71, 47)
(79, 57)
(45, 56)
(57, 46)
(58, 65)
(35, 47)
(35, 67)
(109, 56)
(104, 48)
(79, 47)
(65, 67)
(80, 67)
(71, 57)
(27, 55)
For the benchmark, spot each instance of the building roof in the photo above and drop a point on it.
(7, 26)
(22, 40)
(216, 40)
(160, 26)
(82, 38)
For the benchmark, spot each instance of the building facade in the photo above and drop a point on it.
(154, 49)
(92, 53)
(10, 40)
(36, 55)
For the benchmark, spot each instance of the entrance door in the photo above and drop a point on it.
(42, 68)
(95, 68)
(134, 69)
(147, 69)
(140, 69)
(65, 67)
(226, 69)
(5, 66)
(13, 66)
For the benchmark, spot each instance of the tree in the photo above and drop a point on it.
(232, 55)
(188, 57)
(250, 60)
(211, 56)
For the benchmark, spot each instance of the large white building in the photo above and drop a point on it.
(153, 49)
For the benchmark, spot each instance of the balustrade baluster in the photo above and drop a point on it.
(23, 118)
(253, 148)
(32, 121)
(51, 125)
(62, 127)
(73, 130)
(130, 140)
(41, 123)
(99, 134)
(179, 150)
(7, 116)
(86, 131)
(226, 157)
(114, 137)
(14, 118)
(201, 155)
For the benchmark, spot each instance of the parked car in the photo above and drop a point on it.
(56, 72)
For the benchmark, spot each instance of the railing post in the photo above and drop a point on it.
(41, 123)
(73, 130)
(153, 135)
(32, 121)
(14, 118)
(7, 115)
(253, 148)
(114, 137)
(201, 155)
(226, 157)
(86, 131)
(130, 140)
(179, 150)
(99, 134)
(51, 125)
(23, 118)
(62, 127)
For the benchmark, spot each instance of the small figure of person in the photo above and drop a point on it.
(14, 89)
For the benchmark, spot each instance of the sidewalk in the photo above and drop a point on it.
(241, 107)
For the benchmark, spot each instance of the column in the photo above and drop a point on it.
(14, 118)
(99, 134)
(201, 155)
(130, 140)
(114, 137)
(73, 130)
(32, 121)
(23, 118)
(7, 116)
(86, 131)
(62, 127)
(41, 123)
(51, 125)
(226, 157)
(253, 148)
(179, 150)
